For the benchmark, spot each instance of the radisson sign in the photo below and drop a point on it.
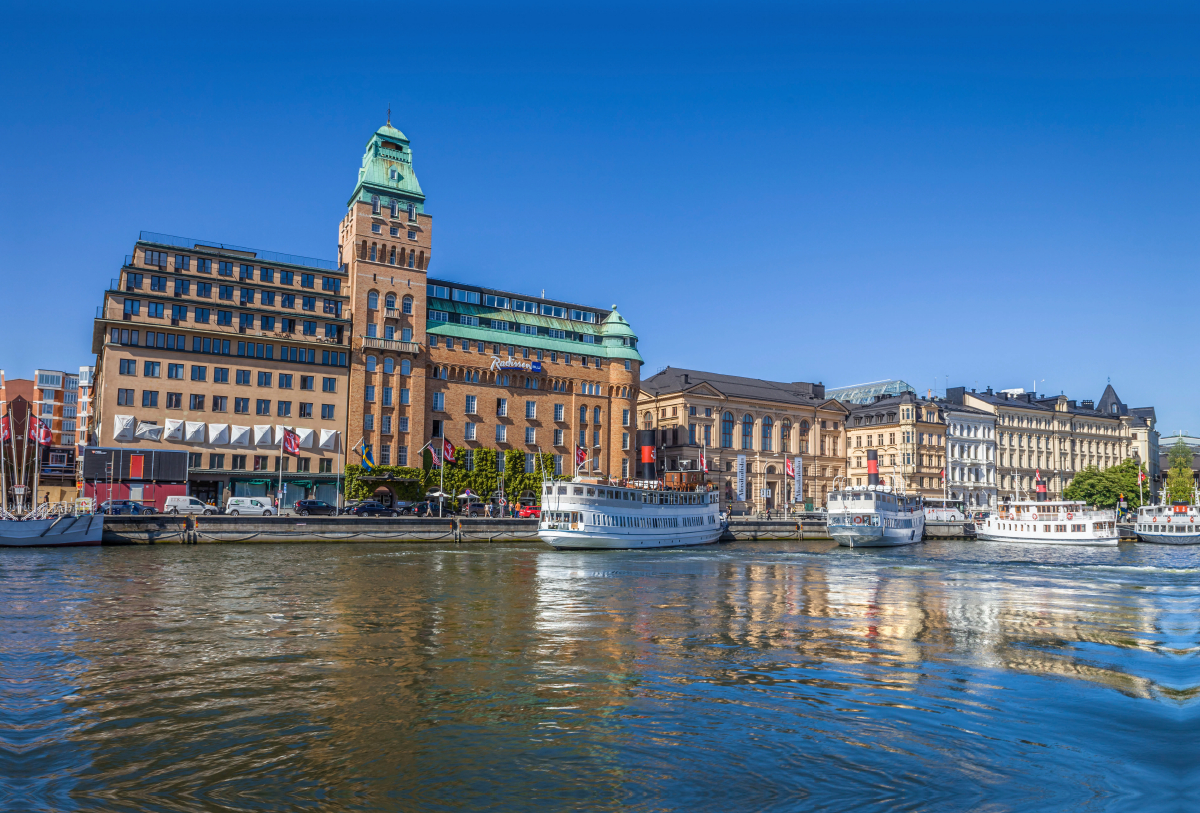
(516, 364)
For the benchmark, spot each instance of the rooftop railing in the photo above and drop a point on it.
(258, 254)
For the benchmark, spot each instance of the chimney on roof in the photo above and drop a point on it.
(955, 395)
(1088, 404)
(989, 390)
(685, 378)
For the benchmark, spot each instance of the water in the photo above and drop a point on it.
(751, 676)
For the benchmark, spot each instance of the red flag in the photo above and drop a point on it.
(39, 432)
(291, 442)
(5, 429)
(791, 469)
(580, 456)
(436, 455)
(704, 464)
(447, 450)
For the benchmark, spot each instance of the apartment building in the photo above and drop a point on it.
(215, 349)
(1055, 436)
(479, 365)
(908, 434)
(693, 413)
(83, 431)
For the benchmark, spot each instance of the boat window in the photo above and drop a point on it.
(549, 489)
(562, 489)
(578, 491)
(591, 492)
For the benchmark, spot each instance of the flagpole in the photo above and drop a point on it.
(24, 449)
(279, 490)
(37, 461)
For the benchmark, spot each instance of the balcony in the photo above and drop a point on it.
(392, 313)
(390, 344)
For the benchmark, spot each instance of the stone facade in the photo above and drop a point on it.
(693, 413)
(477, 365)
(221, 340)
(970, 456)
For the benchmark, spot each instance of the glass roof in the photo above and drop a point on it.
(865, 393)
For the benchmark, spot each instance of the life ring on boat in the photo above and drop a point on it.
(1156, 519)
(1070, 516)
(858, 520)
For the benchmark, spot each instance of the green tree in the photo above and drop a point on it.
(1180, 482)
(484, 479)
(1105, 488)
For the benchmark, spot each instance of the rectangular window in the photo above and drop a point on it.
(530, 409)
(327, 412)
(308, 303)
(128, 366)
(529, 434)
(469, 431)
(225, 292)
(283, 409)
(624, 440)
(501, 407)
(197, 402)
(124, 397)
(386, 424)
(262, 406)
(404, 395)
(558, 437)
(501, 432)
(369, 422)
(305, 410)
(151, 369)
(470, 400)
(439, 402)
(439, 316)
(220, 403)
(328, 385)
(264, 379)
(241, 406)
(387, 396)
(149, 398)
(216, 461)
(369, 393)
(201, 315)
(529, 462)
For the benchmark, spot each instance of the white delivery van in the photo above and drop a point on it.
(187, 505)
(260, 506)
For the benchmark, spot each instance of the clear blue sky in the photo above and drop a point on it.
(834, 192)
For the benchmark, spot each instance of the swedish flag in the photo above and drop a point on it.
(368, 460)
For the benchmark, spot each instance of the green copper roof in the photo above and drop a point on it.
(615, 327)
(483, 334)
(387, 170)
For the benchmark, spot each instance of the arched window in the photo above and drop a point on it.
(392, 256)
(421, 264)
(405, 367)
(389, 366)
(411, 255)
(596, 415)
(372, 252)
(747, 431)
(372, 301)
(785, 435)
(726, 430)
(392, 203)
(583, 413)
(803, 428)
(647, 421)
(768, 426)
(370, 364)
(407, 303)
(390, 301)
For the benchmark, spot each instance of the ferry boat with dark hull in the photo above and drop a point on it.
(874, 515)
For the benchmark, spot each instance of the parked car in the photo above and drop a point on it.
(528, 511)
(119, 507)
(419, 509)
(260, 506)
(187, 505)
(370, 508)
(306, 507)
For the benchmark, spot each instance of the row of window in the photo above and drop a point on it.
(260, 462)
(386, 392)
(389, 302)
(389, 365)
(199, 372)
(554, 356)
(245, 271)
(468, 457)
(223, 347)
(512, 327)
(471, 405)
(246, 296)
(380, 254)
(907, 437)
(220, 403)
(505, 303)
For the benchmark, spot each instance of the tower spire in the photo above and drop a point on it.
(389, 114)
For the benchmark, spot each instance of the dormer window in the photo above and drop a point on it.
(394, 174)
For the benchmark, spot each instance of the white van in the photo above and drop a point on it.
(187, 505)
(249, 505)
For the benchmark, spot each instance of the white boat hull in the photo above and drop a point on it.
(1059, 540)
(874, 537)
(61, 532)
(589, 540)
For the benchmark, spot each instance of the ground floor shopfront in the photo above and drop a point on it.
(216, 487)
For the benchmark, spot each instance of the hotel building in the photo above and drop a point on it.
(692, 413)
(214, 349)
(475, 364)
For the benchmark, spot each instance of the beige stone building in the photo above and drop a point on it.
(908, 434)
(471, 362)
(692, 413)
(1054, 436)
(214, 350)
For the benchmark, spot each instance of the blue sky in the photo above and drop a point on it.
(835, 192)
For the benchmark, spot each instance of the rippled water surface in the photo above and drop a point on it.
(752, 676)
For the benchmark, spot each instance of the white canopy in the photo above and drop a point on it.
(279, 430)
(239, 436)
(174, 430)
(329, 439)
(194, 432)
(262, 434)
(306, 437)
(122, 427)
(218, 434)
(148, 431)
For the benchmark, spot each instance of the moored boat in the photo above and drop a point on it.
(1175, 524)
(591, 513)
(874, 515)
(1051, 522)
(52, 532)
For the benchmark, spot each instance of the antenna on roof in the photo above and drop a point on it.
(389, 114)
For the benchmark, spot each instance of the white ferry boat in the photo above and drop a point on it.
(588, 513)
(874, 516)
(1063, 522)
(1168, 524)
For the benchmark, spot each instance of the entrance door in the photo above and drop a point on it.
(206, 491)
(772, 490)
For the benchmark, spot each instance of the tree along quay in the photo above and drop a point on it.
(166, 529)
